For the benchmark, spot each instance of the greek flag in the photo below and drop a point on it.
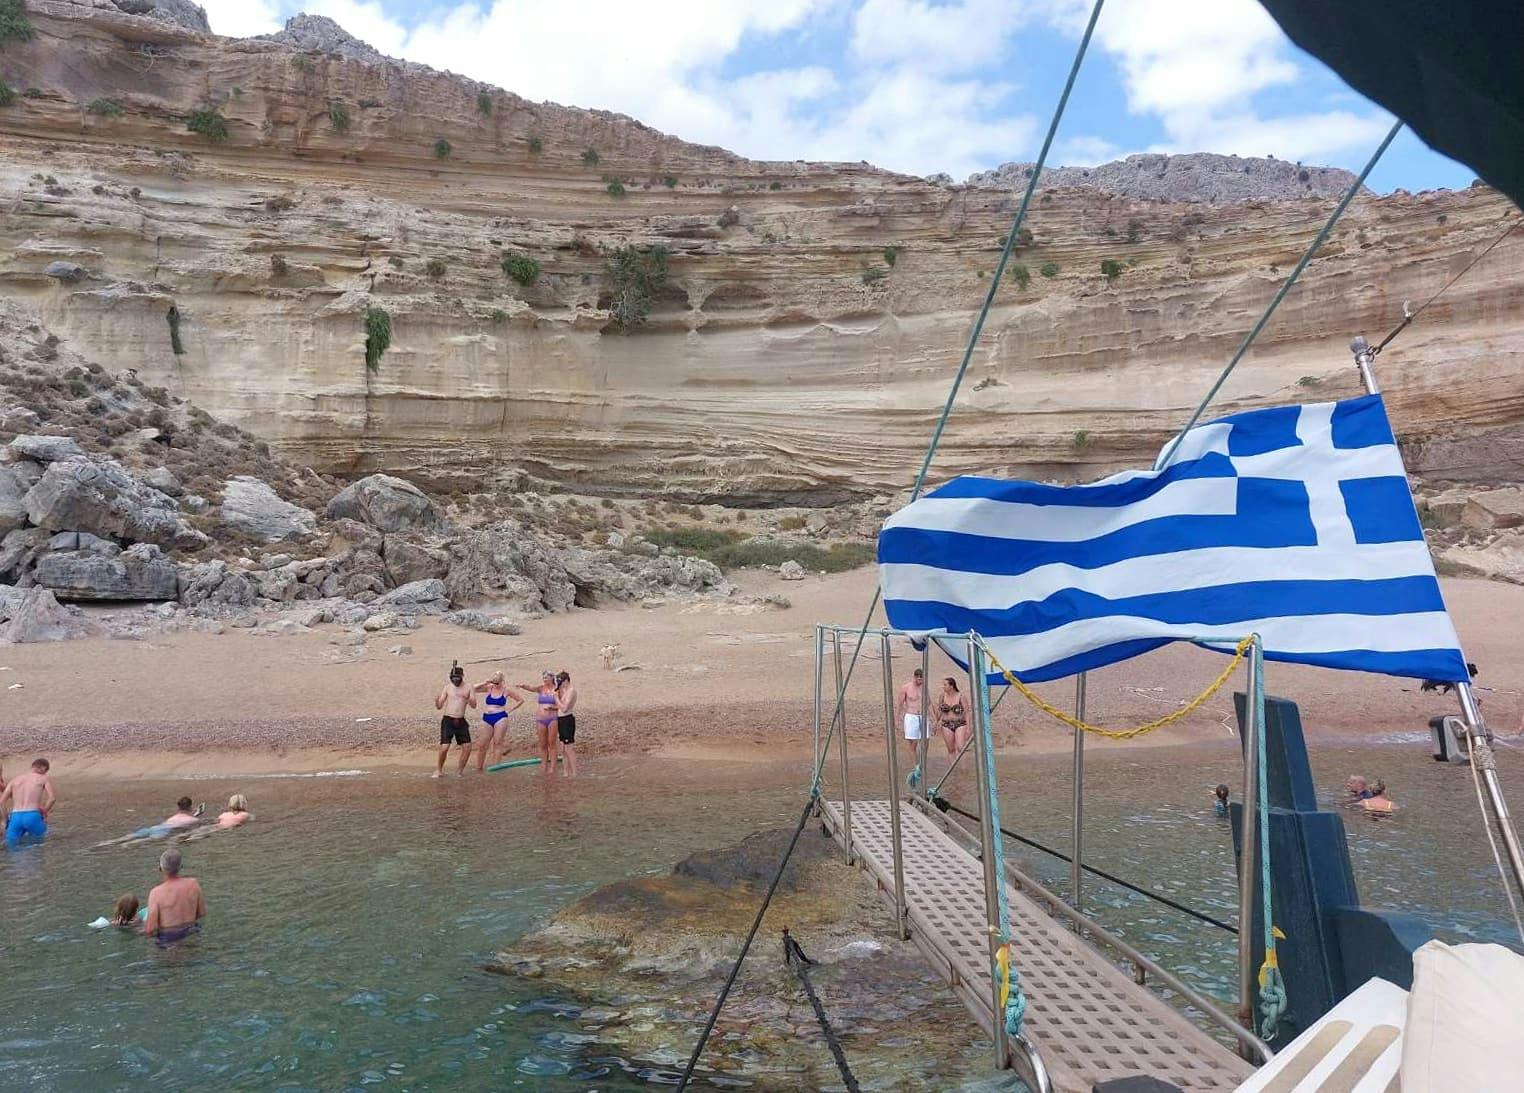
(1294, 522)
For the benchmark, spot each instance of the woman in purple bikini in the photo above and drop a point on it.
(544, 718)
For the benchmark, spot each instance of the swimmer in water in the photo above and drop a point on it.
(237, 813)
(1220, 800)
(175, 905)
(184, 816)
(127, 912)
(1358, 789)
(495, 715)
(1378, 801)
(31, 797)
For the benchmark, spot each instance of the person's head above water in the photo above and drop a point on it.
(169, 863)
(1221, 791)
(183, 804)
(238, 803)
(1356, 783)
(1378, 788)
(126, 909)
(40, 766)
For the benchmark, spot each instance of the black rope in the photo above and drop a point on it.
(730, 980)
(1408, 318)
(794, 957)
(947, 806)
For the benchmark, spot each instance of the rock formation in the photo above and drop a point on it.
(1195, 177)
(237, 209)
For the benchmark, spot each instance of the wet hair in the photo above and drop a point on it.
(918, 673)
(40, 765)
(238, 803)
(169, 862)
(563, 676)
(1378, 787)
(951, 682)
(125, 911)
(183, 804)
(1221, 791)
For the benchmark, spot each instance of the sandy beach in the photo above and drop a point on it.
(701, 680)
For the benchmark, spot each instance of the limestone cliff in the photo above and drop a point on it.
(799, 349)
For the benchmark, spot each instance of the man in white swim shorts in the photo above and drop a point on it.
(907, 708)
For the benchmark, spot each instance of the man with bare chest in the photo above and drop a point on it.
(453, 727)
(909, 701)
(30, 796)
(176, 905)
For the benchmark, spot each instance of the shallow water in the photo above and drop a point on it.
(349, 922)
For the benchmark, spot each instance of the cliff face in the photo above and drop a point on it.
(800, 349)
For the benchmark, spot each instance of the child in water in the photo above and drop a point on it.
(127, 914)
(1220, 800)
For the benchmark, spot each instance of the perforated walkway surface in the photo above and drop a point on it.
(1088, 1019)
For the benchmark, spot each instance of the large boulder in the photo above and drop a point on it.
(252, 508)
(612, 574)
(1501, 558)
(103, 499)
(12, 501)
(163, 479)
(480, 620)
(390, 504)
(1494, 509)
(419, 597)
(36, 615)
(18, 550)
(217, 584)
(408, 562)
(504, 563)
(46, 449)
(139, 573)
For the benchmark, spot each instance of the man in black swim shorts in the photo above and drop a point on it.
(566, 722)
(453, 727)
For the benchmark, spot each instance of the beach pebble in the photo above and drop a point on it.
(401, 650)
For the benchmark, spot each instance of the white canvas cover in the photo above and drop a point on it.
(1465, 1031)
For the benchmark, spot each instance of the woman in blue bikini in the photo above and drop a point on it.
(495, 712)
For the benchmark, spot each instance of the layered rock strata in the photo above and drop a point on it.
(800, 348)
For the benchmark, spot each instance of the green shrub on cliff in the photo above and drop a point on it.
(7, 96)
(590, 157)
(104, 108)
(635, 275)
(484, 102)
(536, 145)
(731, 550)
(378, 336)
(14, 25)
(1111, 269)
(522, 268)
(616, 188)
(303, 64)
(1022, 274)
(442, 149)
(176, 346)
(209, 124)
(338, 114)
(1048, 269)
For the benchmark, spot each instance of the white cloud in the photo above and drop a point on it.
(933, 37)
(1086, 152)
(242, 18)
(1197, 66)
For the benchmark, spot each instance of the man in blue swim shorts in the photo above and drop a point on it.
(30, 797)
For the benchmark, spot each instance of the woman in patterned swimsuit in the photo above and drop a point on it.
(952, 719)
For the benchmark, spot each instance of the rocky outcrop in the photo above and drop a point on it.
(1194, 177)
(505, 563)
(385, 503)
(139, 573)
(181, 13)
(798, 352)
(45, 449)
(13, 490)
(103, 499)
(601, 575)
(252, 509)
(36, 615)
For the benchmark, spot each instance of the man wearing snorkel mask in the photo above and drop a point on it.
(453, 727)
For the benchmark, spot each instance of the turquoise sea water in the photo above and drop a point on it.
(350, 921)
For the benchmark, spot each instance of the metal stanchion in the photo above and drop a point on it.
(1076, 873)
(925, 741)
(987, 837)
(817, 761)
(1248, 857)
(894, 790)
(841, 732)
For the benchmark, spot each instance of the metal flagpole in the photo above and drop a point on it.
(987, 836)
(1075, 869)
(817, 761)
(925, 740)
(1479, 739)
(894, 791)
(1248, 859)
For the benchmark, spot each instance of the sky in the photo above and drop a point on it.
(919, 86)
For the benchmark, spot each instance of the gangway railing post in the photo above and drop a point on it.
(1248, 857)
(890, 742)
(1478, 737)
(925, 741)
(1076, 873)
(987, 837)
(817, 761)
(841, 734)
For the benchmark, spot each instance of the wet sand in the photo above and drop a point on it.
(705, 681)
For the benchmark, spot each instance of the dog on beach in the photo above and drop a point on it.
(1440, 686)
(609, 655)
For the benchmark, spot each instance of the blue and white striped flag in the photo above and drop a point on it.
(1295, 523)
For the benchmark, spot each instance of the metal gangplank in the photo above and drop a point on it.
(1088, 1019)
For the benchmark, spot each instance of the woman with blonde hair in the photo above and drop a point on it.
(495, 713)
(237, 813)
(545, 717)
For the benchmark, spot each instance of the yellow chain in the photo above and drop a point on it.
(1123, 734)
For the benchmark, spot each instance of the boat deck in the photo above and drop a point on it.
(1087, 1017)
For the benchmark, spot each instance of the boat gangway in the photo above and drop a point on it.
(1087, 1019)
